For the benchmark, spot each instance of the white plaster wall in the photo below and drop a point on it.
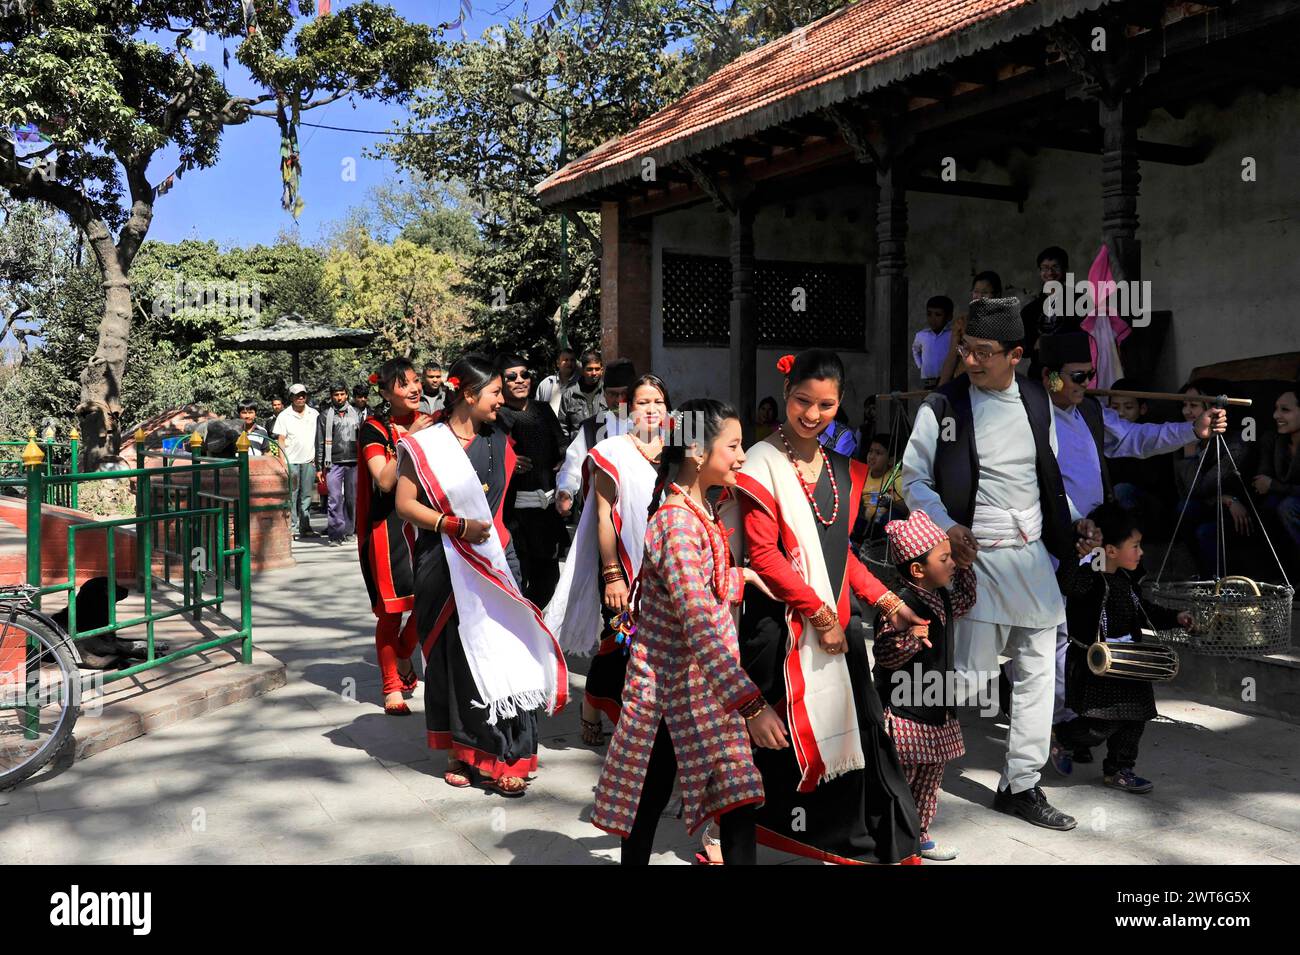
(1220, 253)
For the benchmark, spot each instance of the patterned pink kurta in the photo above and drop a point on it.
(684, 669)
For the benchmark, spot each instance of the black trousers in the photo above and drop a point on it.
(1120, 736)
(739, 844)
(537, 532)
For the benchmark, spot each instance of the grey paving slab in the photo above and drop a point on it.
(316, 773)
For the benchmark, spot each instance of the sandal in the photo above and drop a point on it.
(592, 732)
(510, 786)
(409, 680)
(397, 709)
(458, 774)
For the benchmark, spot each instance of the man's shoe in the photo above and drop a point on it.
(1060, 758)
(1033, 807)
(1082, 754)
(1128, 781)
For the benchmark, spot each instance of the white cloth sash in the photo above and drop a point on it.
(1006, 527)
(574, 611)
(513, 657)
(823, 719)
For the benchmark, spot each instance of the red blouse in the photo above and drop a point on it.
(767, 560)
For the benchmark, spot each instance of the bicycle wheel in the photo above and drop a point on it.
(40, 696)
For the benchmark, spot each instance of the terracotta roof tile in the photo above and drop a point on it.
(850, 40)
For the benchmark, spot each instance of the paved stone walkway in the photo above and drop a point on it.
(305, 774)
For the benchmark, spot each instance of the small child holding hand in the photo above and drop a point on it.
(910, 662)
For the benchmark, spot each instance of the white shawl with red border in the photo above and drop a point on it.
(514, 659)
(574, 612)
(820, 709)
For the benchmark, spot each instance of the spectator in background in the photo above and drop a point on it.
(1053, 263)
(258, 438)
(551, 388)
(535, 528)
(584, 396)
(609, 421)
(986, 284)
(1278, 482)
(768, 418)
(295, 430)
(1213, 497)
(932, 343)
(838, 436)
(361, 400)
(277, 405)
(881, 501)
(1141, 485)
(435, 394)
(336, 462)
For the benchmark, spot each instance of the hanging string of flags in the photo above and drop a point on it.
(164, 187)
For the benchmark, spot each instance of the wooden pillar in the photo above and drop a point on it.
(891, 270)
(744, 314)
(1119, 186)
(624, 287)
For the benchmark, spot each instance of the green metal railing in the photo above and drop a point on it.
(194, 531)
(61, 457)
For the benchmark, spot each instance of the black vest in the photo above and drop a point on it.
(900, 690)
(957, 464)
(1091, 412)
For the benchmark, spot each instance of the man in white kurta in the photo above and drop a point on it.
(1018, 605)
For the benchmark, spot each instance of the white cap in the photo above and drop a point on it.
(298, 389)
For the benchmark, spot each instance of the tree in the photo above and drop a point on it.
(108, 97)
(605, 70)
(402, 291)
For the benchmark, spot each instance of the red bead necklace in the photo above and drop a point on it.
(717, 542)
(808, 491)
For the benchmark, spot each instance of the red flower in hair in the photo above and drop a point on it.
(374, 378)
(784, 364)
(453, 383)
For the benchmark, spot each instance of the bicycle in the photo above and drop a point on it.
(40, 686)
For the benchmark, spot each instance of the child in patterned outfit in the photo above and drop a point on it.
(689, 711)
(914, 666)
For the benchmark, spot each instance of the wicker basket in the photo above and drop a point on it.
(1233, 616)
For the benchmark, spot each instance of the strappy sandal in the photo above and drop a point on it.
(593, 734)
(459, 778)
(409, 680)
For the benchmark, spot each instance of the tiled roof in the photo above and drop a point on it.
(852, 51)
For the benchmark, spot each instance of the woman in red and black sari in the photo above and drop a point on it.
(838, 794)
(384, 540)
(491, 667)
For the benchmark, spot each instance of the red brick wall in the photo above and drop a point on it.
(625, 287)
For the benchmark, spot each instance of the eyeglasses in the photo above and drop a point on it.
(981, 354)
(1082, 377)
(512, 376)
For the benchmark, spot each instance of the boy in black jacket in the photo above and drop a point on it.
(914, 672)
(1103, 604)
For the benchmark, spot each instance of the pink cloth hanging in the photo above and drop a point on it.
(1104, 336)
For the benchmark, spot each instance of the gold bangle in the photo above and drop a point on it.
(824, 619)
(888, 603)
(437, 525)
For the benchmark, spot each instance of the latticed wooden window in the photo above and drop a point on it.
(800, 304)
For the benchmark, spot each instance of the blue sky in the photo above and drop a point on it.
(237, 201)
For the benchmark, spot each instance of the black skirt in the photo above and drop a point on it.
(866, 815)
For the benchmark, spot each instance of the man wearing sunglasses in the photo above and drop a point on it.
(539, 446)
(981, 462)
(1087, 434)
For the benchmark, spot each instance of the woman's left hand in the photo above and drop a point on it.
(905, 618)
